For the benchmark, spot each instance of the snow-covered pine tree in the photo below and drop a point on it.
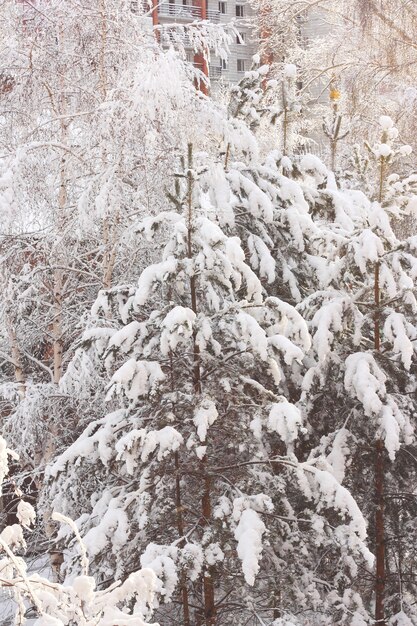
(279, 203)
(196, 474)
(332, 125)
(76, 161)
(364, 332)
(280, 200)
(290, 107)
(32, 598)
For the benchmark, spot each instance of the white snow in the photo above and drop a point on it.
(261, 259)
(383, 150)
(136, 379)
(339, 453)
(142, 443)
(251, 334)
(177, 327)
(205, 416)
(365, 381)
(397, 331)
(26, 514)
(386, 122)
(285, 419)
(152, 275)
(368, 248)
(290, 71)
(405, 150)
(248, 535)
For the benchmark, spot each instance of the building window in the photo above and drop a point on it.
(239, 10)
(240, 38)
(222, 8)
(223, 64)
(241, 65)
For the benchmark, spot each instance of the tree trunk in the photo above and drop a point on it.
(103, 74)
(180, 517)
(227, 156)
(285, 132)
(265, 35)
(379, 480)
(16, 358)
(200, 58)
(111, 242)
(58, 294)
(333, 147)
(208, 583)
(379, 534)
(57, 325)
(155, 20)
(180, 528)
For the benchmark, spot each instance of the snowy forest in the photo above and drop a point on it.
(208, 313)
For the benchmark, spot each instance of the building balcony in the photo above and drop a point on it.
(179, 11)
(171, 38)
(213, 16)
(182, 12)
(215, 72)
(225, 74)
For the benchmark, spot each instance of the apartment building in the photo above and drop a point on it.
(244, 45)
(237, 12)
